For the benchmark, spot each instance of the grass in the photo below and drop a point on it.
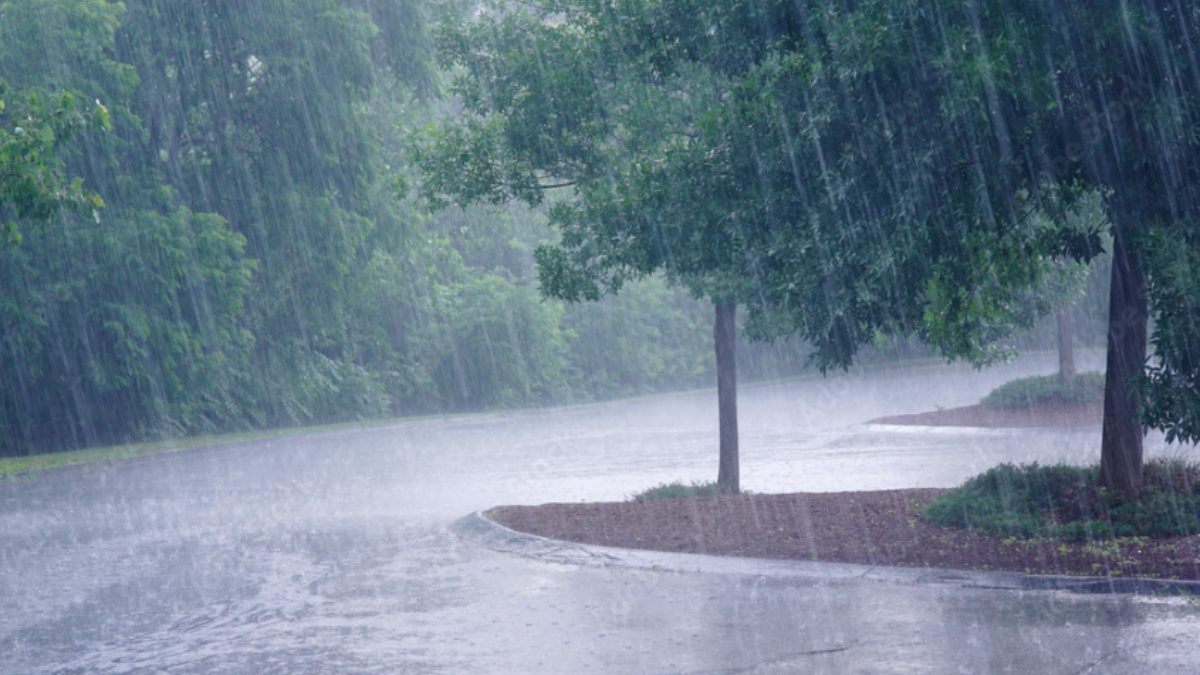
(28, 464)
(1029, 391)
(1069, 502)
(11, 467)
(676, 490)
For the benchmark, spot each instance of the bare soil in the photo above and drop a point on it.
(872, 528)
(1042, 415)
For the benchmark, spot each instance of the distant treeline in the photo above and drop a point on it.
(257, 261)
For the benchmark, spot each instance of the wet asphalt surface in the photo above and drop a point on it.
(332, 553)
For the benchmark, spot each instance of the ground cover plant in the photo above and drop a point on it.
(676, 490)
(1027, 392)
(1070, 502)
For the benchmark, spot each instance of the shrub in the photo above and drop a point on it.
(675, 490)
(1029, 391)
(1069, 502)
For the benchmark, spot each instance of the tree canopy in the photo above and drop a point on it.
(33, 127)
(840, 171)
(256, 261)
(881, 167)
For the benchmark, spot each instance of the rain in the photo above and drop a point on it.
(599, 336)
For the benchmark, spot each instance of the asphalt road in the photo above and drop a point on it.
(331, 553)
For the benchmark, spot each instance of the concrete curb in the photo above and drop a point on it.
(480, 529)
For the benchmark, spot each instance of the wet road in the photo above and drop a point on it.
(330, 553)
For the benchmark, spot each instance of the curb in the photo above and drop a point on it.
(480, 529)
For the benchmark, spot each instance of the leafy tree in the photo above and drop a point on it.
(550, 106)
(475, 340)
(942, 124)
(1063, 282)
(209, 115)
(859, 169)
(33, 127)
(271, 114)
(253, 264)
(1067, 284)
(122, 322)
(95, 354)
(650, 337)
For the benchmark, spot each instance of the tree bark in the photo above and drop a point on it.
(1066, 347)
(1121, 441)
(724, 339)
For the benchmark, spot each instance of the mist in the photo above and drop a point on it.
(294, 295)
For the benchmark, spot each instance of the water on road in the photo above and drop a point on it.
(330, 553)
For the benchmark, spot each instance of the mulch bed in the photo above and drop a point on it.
(881, 527)
(873, 528)
(1042, 415)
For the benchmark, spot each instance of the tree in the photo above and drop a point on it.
(864, 169)
(550, 106)
(33, 128)
(120, 322)
(921, 133)
(1063, 282)
(241, 141)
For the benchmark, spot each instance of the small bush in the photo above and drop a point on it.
(676, 490)
(1069, 502)
(1029, 391)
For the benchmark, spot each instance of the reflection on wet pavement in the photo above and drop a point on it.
(331, 553)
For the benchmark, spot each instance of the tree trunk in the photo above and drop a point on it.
(1121, 442)
(724, 337)
(1066, 348)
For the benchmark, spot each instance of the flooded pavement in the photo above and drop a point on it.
(332, 552)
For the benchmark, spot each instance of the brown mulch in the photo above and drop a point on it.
(872, 528)
(1042, 415)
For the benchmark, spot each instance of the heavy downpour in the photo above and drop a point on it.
(438, 336)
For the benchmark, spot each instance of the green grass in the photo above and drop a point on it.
(11, 467)
(676, 490)
(27, 464)
(1068, 502)
(1030, 391)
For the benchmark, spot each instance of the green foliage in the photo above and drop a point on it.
(981, 319)
(120, 323)
(846, 170)
(1173, 379)
(501, 345)
(648, 338)
(64, 45)
(548, 106)
(123, 358)
(1027, 392)
(61, 46)
(33, 186)
(1069, 502)
(736, 159)
(676, 490)
(253, 265)
(159, 316)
